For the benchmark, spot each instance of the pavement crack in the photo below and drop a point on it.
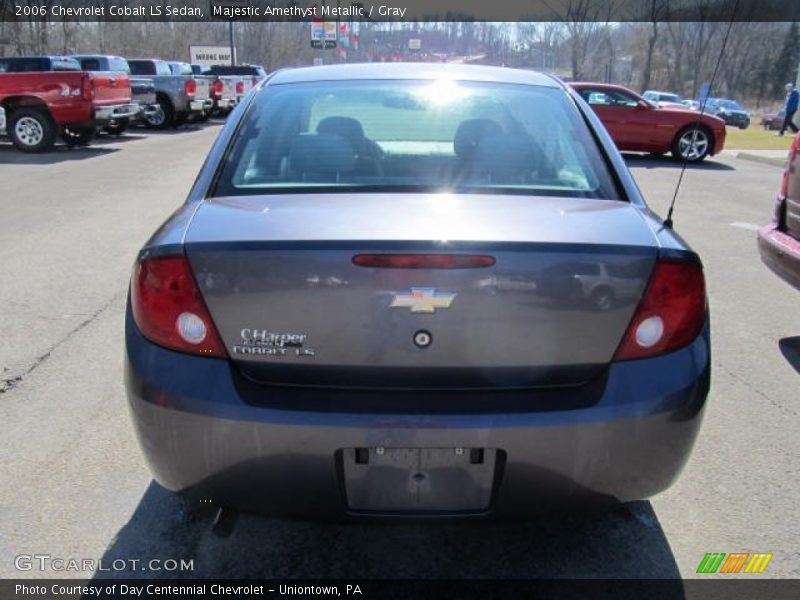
(755, 390)
(9, 383)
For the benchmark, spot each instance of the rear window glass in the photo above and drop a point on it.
(119, 64)
(65, 64)
(24, 65)
(181, 69)
(414, 135)
(90, 64)
(142, 67)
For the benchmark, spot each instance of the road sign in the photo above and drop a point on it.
(208, 56)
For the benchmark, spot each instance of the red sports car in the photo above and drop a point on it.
(637, 125)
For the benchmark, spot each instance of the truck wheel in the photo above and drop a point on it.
(31, 130)
(78, 136)
(116, 126)
(162, 117)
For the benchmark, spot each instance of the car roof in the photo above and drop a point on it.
(600, 86)
(412, 71)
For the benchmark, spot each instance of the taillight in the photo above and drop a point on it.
(190, 87)
(240, 87)
(255, 81)
(87, 87)
(218, 87)
(793, 150)
(424, 261)
(779, 217)
(169, 310)
(671, 313)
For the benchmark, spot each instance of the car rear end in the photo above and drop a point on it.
(111, 96)
(198, 92)
(223, 93)
(779, 242)
(314, 336)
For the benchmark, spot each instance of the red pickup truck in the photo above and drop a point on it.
(46, 96)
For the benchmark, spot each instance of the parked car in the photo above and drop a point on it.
(663, 99)
(223, 90)
(729, 111)
(779, 242)
(177, 96)
(398, 383)
(143, 90)
(248, 77)
(182, 68)
(636, 125)
(692, 104)
(773, 121)
(44, 96)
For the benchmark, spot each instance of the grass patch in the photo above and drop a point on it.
(756, 138)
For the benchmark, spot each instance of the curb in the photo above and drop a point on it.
(767, 160)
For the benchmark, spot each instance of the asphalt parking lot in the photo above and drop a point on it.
(74, 483)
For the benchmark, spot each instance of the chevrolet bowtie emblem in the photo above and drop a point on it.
(422, 300)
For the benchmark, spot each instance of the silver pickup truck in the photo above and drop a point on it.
(177, 96)
(223, 90)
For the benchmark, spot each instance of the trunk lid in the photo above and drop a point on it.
(278, 276)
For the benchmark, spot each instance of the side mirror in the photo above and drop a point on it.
(642, 105)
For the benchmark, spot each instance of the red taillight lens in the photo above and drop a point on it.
(790, 166)
(671, 313)
(423, 261)
(218, 87)
(240, 87)
(255, 81)
(87, 88)
(190, 87)
(169, 310)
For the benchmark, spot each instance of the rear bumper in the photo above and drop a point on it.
(104, 114)
(200, 105)
(202, 437)
(781, 253)
(226, 103)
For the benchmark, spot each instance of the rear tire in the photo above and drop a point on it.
(162, 117)
(78, 136)
(31, 130)
(117, 126)
(690, 146)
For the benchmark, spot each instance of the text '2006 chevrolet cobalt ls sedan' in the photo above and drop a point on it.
(415, 290)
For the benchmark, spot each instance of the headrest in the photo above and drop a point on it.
(321, 153)
(470, 133)
(505, 152)
(344, 126)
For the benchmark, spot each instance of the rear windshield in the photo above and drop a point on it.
(181, 69)
(414, 136)
(149, 67)
(37, 64)
(236, 70)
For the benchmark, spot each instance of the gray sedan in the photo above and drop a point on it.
(311, 333)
